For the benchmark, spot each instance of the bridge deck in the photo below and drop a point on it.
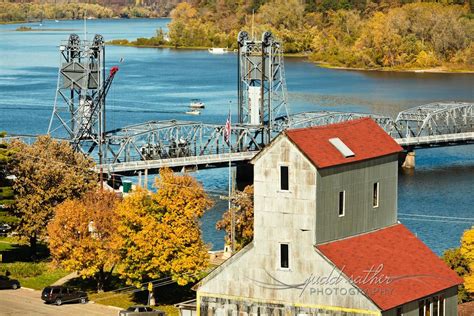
(208, 161)
(205, 161)
(436, 140)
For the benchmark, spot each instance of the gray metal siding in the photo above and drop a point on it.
(451, 301)
(411, 308)
(357, 180)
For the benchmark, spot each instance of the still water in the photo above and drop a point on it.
(157, 84)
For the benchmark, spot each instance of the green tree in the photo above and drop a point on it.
(81, 235)
(159, 233)
(243, 218)
(456, 261)
(47, 173)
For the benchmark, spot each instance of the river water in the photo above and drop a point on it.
(156, 84)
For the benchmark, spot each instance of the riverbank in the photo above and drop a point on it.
(440, 69)
(130, 44)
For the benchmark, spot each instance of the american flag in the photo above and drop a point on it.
(227, 129)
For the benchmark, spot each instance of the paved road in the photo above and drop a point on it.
(27, 302)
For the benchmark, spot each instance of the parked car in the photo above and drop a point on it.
(7, 283)
(140, 310)
(62, 294)
(4, 229)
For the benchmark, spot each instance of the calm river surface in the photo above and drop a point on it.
(156, 84)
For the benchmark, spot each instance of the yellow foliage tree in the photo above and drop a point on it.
(467, 251)
(159, 233)
(81, 235)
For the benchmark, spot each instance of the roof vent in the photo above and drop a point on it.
(343, 149)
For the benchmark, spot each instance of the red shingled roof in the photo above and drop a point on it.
(414, 270)
(363, 136)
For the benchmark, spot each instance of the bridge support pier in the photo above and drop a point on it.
(244, 176)
(409, 160)
(145, 179)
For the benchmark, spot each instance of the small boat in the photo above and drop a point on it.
(193, 112)
(197, 104)
(57, 21)
(217, 51)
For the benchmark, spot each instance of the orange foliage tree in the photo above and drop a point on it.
(47, 173)
(159, 233)
(243, 213)
(81, 235)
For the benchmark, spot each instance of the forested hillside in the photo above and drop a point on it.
(21, 11)
(392, 34)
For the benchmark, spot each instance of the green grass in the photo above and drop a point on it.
(5, 246)
(9, 240)
(35, 275)
(41, 281)
(16, 261)
(126, 300)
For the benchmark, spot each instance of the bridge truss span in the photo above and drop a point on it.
(435, 119)
(169, 139)
(321, 118)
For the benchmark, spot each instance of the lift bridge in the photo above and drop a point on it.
(262, 113)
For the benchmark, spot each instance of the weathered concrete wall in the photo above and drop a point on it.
(229, 307)
(283, 217)
(357, 180)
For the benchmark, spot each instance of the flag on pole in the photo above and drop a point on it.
(227, 130)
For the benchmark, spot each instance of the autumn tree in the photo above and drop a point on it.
(456, 261)
(6, 191)
(47, 173)
(242, 202)
(81, 235)
(159, 233)
(467, 251)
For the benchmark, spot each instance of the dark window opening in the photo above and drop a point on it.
(428, 308)
(284, 178)
(421, 308)
(399, 311)
(284, 256)
(375, 195)
(342, 202)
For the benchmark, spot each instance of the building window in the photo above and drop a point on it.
(431, 306)
(399, 311)
(441, 306)
(376, 194)
(421, 308)
(284, 186)
(342, 203)
(284, 256)
(428, 307)
(435, 306)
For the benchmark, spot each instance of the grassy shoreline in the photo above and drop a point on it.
(432, 70)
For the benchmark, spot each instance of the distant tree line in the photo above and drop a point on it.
(393, 34)
(23, 12)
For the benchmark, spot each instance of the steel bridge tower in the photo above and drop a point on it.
(262, 96)
(79, 106)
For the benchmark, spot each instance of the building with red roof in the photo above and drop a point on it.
(326, 236)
